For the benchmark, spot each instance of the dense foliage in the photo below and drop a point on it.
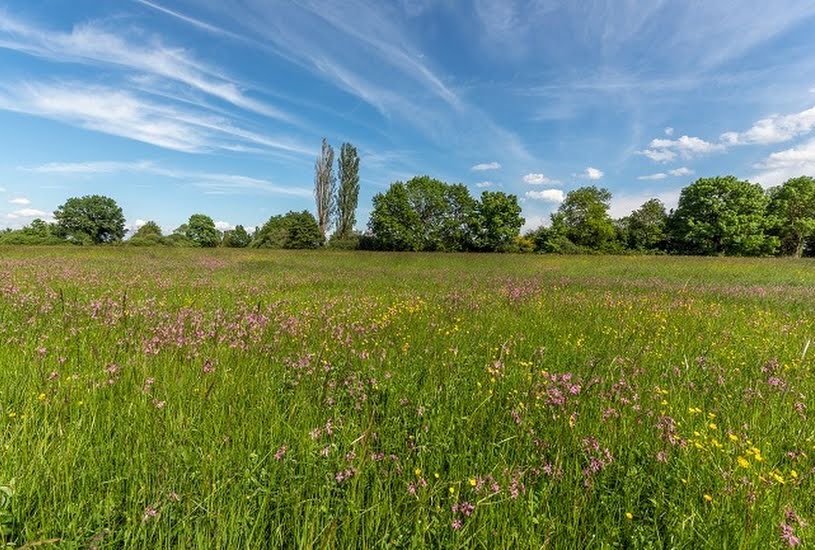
(93, 219)
(426, 214)
(202, 232)
(292, 231)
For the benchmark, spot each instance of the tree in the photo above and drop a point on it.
(644, 229)
(792, 214)
(424, 214)
(237, 238)
(92, 218)
(348, 192)
(294, 230)
(324, 187)
(38, 232)
(499, 222)
(149, 229)
(393, 223)
(583, 218)
(721, 216)
(202, 232)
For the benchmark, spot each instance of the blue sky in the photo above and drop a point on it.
(219, 106)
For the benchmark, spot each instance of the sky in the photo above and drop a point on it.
(175, 107)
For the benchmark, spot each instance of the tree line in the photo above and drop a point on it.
(715, 216)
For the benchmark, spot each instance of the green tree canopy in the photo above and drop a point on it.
(792, 214)
(499, 222)
(583, 218)
(149, 229)
(294, 230)
(423, 214)
(237, 238)
(93, 218)
(644, 229)
(202, 232)
(721, 216)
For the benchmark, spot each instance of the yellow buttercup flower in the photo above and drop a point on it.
(629, 515)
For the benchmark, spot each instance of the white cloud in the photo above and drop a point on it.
(210, 182)
(547, 195)
(686, 146)
(486, 166)
(482, 184)
(539, 179)
(662, 175)
(659, 176)
(594, 173)
(684, 171)
(224, 226)
(774, 129)
(656, 155)
(783, 165)
(22, 201)
(669, 131)
(28, 213)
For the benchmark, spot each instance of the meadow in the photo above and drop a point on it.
(155, 398)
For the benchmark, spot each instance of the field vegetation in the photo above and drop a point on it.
(189, 398)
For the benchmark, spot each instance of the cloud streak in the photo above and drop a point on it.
(127, 115)
(211, 182)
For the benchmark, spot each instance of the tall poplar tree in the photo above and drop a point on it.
(325, 185)
(348, 192)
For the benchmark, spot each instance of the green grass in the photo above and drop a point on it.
(412, 400)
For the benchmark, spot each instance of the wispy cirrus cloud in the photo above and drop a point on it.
(210, 182)
(122, 113)
(91, 43)
(379, 64)
(483, 167)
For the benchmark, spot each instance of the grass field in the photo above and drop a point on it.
(249, 399)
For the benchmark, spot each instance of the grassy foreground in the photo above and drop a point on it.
(249, 399)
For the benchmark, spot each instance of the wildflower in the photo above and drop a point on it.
(281, 452)
(149, 512)
(208, 367)
(629, 515)
(708, 498)
(41, 397)
(733, 437)
(788, 536)
(457, 524)
(743, 462)
(472, 482)
(418, 472)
